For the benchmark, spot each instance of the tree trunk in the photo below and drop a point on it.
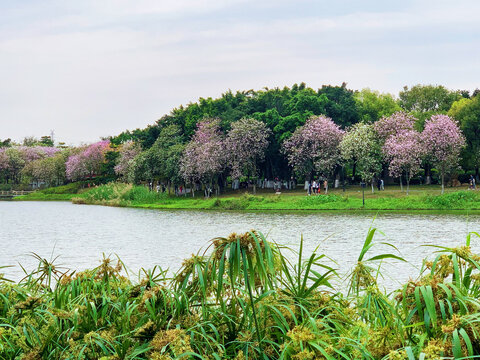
(373, 191)
(443, 182)
(401, 184)
(254, 188)
(408, 182)
(428, 178)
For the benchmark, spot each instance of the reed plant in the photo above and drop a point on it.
(244, 297)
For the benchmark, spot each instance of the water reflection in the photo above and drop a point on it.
(144, 238)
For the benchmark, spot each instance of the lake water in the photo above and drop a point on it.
(79, 234)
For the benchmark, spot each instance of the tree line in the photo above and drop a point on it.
(276, 133)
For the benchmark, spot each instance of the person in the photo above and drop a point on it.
(309, 191)
(379, 186)
(325, 185)
(158, 188)
(382, 187)
(470, 183)
(314, 186)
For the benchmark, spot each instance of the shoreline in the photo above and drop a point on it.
(252, 208)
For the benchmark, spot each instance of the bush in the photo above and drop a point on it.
(72, 188)
(120, 194)
(321, 199)
(5, 187)
(459, 199)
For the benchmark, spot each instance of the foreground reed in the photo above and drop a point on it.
(244, 298)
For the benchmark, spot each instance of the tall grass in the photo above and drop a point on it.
(246, 298)
(119, 194)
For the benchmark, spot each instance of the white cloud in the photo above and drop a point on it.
(99, 67)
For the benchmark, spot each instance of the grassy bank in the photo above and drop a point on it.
(58, 193)
(243, 299)
(420, 198)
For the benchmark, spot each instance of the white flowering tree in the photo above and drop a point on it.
(361, 146)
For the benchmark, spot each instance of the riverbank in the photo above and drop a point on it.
(57, 193)
(424, 198)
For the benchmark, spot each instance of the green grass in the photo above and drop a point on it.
(58, 193)
(421, 198)
(246, 298)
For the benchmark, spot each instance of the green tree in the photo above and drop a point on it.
(372, 105)
(467, 113)
(423, 101)
(46, 141)
(341, 106)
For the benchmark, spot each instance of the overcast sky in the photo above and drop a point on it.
(93, 68)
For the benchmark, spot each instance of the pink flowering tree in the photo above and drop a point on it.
(404, 152)
(32, 153)
(393, 124)
(314, 147)
(204, 157)
(443, 141)
(246, 144)
(128, 152)
(361, 146)
(87, 162)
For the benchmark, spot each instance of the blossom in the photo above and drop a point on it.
(128, 152)
(443, 140)
(88, 162)
(405, 152)
(246, 144)
(393, 124)
(205, 155)
(314, 146)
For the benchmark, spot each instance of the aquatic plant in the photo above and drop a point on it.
(244, 297)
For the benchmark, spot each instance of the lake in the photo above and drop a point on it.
(80, 234)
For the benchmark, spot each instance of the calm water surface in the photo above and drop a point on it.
(144, 238)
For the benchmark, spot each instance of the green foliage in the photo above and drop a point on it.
(282, 110)
(118, 194)
(453, 200)
(246, 298)
(72, 188)
(423, 101)
(372, 105)
(322, 199)
(467, 113)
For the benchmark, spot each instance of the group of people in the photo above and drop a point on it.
(380, 184)
(315, 186)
